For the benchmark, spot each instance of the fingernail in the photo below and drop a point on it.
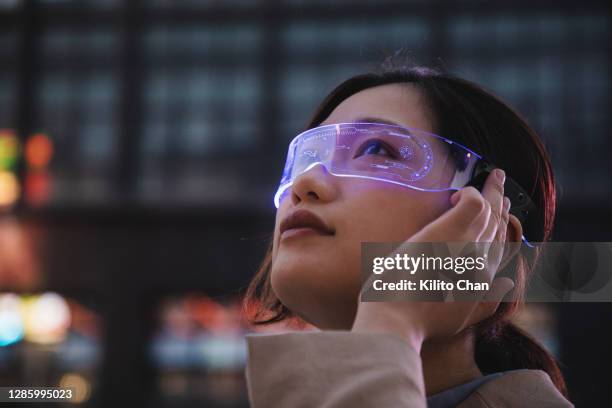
(501, 175)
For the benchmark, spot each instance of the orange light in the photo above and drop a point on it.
(38, 150)
(80, 384)
(9, 189)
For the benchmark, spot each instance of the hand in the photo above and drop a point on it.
(474, 217)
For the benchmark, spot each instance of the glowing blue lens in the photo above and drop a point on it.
(393, 154)
(386, 153)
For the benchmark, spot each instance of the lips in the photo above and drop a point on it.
(305, 219)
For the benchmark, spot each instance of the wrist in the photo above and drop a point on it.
(376, 317)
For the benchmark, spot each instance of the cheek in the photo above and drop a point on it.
(305, 278)
(393, 214)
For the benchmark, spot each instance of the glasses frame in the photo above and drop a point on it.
(521, 203)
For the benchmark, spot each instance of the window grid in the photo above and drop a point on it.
(201, 87)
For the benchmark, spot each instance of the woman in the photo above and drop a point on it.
(403, 353)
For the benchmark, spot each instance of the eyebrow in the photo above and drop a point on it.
(372, 119)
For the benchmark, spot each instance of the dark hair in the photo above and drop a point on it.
(465, 112)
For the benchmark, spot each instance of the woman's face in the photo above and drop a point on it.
(318, 276)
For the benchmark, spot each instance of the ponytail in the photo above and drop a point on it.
(504, 346)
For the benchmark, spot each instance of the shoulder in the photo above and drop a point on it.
(518, 388)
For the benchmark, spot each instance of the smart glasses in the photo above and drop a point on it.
(394, 154)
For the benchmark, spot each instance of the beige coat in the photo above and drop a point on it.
(332, 369)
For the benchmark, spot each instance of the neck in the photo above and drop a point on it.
(448, 362)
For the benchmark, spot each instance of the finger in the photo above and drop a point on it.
(493, 192)
(498, 248)
(503, 222)
(466, 216)
(519, 231)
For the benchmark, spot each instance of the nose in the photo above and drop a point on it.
(315, 184)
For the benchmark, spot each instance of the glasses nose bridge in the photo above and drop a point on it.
(306, 183)
(324, 168)
(323, 163)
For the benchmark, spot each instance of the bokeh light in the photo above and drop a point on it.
(11, 324)
(37, 187)
(47, 318)
(38, 151)
(80, 385)
(9, 189)
(9, 149)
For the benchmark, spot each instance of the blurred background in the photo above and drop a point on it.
(141, 143)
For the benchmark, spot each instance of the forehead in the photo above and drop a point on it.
(400, 103)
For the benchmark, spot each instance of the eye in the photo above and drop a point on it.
(375, 146)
